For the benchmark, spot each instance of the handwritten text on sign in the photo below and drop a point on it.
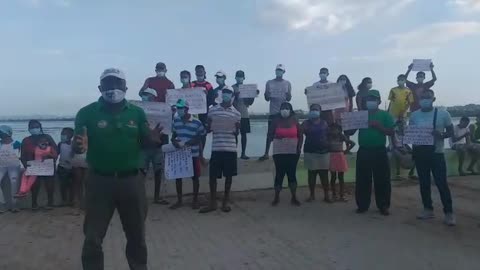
(418, 135)
(421, 64)
(179, 164)
(157, 113)
(248, 90)
(355, 120)
(8, 159)
(195, 97)
(330, 96)
(39, 168)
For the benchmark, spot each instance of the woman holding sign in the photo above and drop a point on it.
(287, 137)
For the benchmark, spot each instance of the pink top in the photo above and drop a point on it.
(290, 132)
(40, 153)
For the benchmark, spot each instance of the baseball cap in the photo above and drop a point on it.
(181, 103)
(113, 72)
(227, 89)
(240, 74)
(374, 93)
(151, 91)
(160, 66)
(6, 130)
(220, 74)
(280, 66)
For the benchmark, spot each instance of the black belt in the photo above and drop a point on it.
(123, 174)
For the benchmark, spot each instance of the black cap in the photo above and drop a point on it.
(240, 74)
(160, 66)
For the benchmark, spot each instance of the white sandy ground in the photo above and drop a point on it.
(256, 236)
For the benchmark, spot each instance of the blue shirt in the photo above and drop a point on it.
(186, 131)
(425, 119)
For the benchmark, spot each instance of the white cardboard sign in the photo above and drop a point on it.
(157, 113)
(418, 135)
(41, 168)
(196, 98)
(355, 120)
(330, 96)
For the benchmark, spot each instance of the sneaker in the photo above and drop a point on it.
(450, 219)
(426, 214)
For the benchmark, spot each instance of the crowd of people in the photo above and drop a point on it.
(113, 140)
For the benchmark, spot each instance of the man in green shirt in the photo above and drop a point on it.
(372, 159)
(114, 131)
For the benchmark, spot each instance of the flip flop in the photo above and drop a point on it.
(176, 206)
(207, 209)
(161, 202)
(226, 208)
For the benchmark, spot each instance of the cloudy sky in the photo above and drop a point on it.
(53, 51)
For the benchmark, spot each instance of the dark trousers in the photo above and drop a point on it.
(49, 183)
(373, 163)
(434, 164)
(65, 178)
(127, 195)
(285, 164)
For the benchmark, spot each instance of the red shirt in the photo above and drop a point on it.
(208, 86)
(161, 85)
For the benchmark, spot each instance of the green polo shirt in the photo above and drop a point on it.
(114, 139)
(372, 137)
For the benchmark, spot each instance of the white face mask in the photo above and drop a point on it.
(113, 96)
(285, 113)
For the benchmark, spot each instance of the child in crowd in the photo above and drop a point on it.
(338, 162)
(64, 169)
(402, 153)
(9, 168)
(79, 173)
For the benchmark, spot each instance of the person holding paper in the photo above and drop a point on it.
(38, 146)
(188, 131)
(431, 158)
(420, 86)
(159, 83)
(362, 93)
(316, 156)
(242, 104)
(344, 81)
(287, 137)
(277, 91)
(400, 99)
(186, 79)
(201, 82)
(372, 158)
(323, 74)
(223, 160)
(114, 132)
(11, 169)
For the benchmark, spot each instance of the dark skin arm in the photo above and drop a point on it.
(434, 76)
(350, 104)
(300, 137)
(456, 139)
(144, 87)
(350, 144)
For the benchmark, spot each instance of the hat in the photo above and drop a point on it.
(181, 103)
(374, 93)
(150, 91)
(160, 66)
(227, 89)
(240, 74)
(280, 66)
(220, 74)
(6, 130)
(114, 72)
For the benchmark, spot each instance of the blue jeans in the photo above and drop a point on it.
(437, 166)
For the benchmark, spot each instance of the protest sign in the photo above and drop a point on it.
(158, 113)
(248, 90)
(178, 164)
(285, 146)
(8, 159)
(330, 96)
(223, 124)
(41, 168)
(421, 64)
(196, 98)
(418, 135)
(355, 120)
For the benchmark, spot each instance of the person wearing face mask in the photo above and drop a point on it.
(223, 160)
(64, 168)
(114, 132)
(344, 81)
(430, 158)
(287, 137)
(400, 99)
(277, 91)
(186, 79)
(203, 83)
(39, 146)
(242, 104)
(362, 94)
(420, 86)
(326, 115)
(316, 156)
(149, 95)
(10, 170)
(372, 158)
(160, 83)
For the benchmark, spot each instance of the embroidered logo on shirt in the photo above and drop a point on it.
(131, 124)
(102, 124)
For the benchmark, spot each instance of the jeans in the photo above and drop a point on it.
(7, 195)
(285, 164)
(372, 162)
(437, 166)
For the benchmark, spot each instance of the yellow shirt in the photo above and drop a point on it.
(400, 100)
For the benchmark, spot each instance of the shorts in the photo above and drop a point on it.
(223, 164)
(154, 157)
(80, 161)
(64, 174)
(245, 125)
(315, 162)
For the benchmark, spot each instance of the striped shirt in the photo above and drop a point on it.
(186, 131)
(224, 142)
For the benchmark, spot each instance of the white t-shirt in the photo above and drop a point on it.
(65, 160)
(458, 132)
